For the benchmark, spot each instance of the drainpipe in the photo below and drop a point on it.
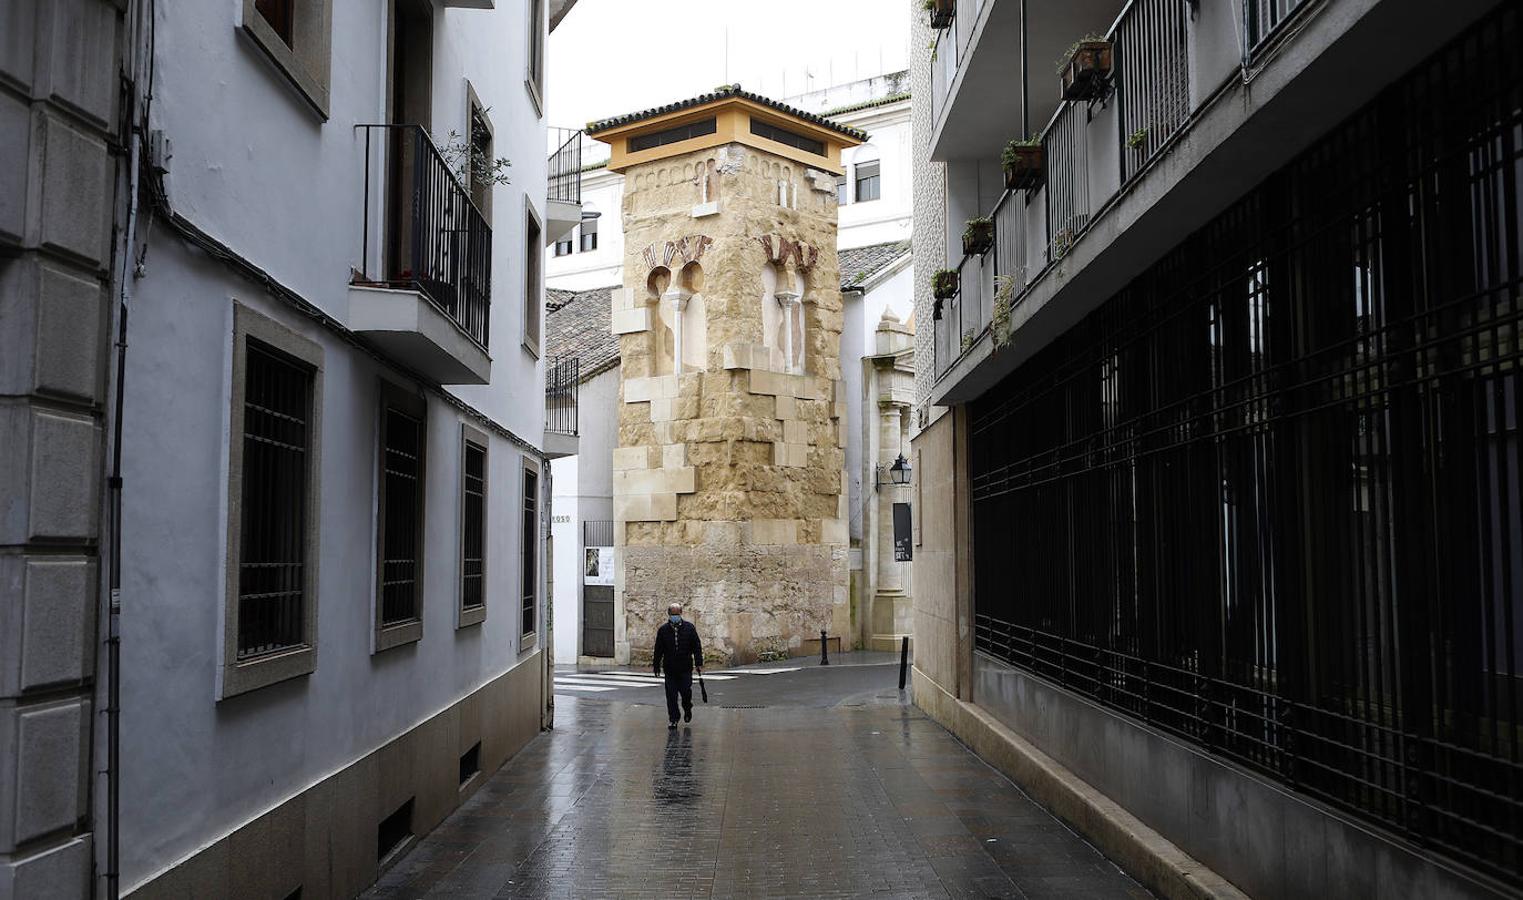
(1025, 81)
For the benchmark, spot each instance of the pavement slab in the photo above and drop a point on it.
(811, 782)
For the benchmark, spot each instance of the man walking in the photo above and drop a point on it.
(678, 651)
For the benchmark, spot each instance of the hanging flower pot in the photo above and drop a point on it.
(941, 13)
(944, 284)
(1086, 68)
(977, 236)
(1022, 162)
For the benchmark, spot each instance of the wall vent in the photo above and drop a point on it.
(470, 763)
(393, 831)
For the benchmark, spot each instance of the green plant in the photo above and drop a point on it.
(1062, 242)
(1136, 139)
(1004, 298)
(944, 283)
(1073, 48)
(928, 5)
(967, 342)
(1012, 153)
(978, 227)
(469, 164)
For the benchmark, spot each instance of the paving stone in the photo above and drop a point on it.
(790, 796)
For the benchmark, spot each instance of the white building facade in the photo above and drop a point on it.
(332, 554)
(875, 212)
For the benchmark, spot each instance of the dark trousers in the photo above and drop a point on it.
(678, 683)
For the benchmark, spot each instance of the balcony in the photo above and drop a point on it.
(1164, 142)
(423, 291)
(562, 384)
(564, 185)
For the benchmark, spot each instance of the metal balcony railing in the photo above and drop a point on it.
(565, 183)
(434, 240)
(562, 384)
(1153, 78)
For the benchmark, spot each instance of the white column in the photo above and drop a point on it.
(789, 301)
(678, 297)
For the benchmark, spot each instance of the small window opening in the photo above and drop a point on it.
(393, 831)
(281, 15)
(470, 763)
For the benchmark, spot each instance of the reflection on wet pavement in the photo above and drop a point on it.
(864, 798)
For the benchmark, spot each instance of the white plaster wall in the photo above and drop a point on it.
(256, 167)
(602, 191)
(858, 340)
(566, 532)
(889, 217)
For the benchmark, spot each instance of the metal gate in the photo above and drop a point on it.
(597, 599)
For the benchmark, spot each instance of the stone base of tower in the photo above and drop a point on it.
(751, 601)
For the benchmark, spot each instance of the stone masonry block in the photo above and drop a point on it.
(674, 456)
(18, 41)
(630, 321)
(656, 481)
(795, 432)
(47, 613)
(56, 320)
(774, 383)
(626, 458)
(44, 768)
(774, 531)
(15, 144)
(80, 57)
(663, 409)
(48, 486)
(663, 507)
(639, 390)
(834, 531)
(75, 206)
(787, 408)
(58, 873)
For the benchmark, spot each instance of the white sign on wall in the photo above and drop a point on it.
(599, 566)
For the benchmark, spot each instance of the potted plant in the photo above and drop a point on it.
(1022, 162)
(941, 12)
(1004, 298)
(944, 284)
(1085, 68)
(977, 236)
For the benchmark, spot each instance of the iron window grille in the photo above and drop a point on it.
(401, 516)
(473, 526)
(529, 535)
(272, 550)
(673, 135)
(562, 384)
(1266, 498)
(784, 136)
(565, 173)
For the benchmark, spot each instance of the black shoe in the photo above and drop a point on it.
(672, 724)
(687, 715)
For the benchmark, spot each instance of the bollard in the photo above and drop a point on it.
(824, 650)
(904, 660)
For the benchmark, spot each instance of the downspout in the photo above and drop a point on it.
(1025, 81)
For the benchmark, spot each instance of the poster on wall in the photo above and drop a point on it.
(599, 567)
(902, 538)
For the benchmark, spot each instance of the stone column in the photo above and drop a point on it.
(58, 115)
(789, 301)
(678, 297)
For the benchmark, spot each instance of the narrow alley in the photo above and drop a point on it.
(792, 782)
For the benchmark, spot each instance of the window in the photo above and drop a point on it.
(399, 532)
(672, 135)
(296, 36)
(869, 184)
(841, 190)
(534, 78)
(564, 248)
(481, 149)
(272, 511)
(279, 14)
(534, 289)
(473, 525)
(589, 234)
(783, 136)
(529, 536)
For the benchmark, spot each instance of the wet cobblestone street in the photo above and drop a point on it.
(821, 784)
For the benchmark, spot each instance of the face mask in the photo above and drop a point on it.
(675, 619)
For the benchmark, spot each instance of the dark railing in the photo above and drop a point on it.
(565, 182)
(1266, 496)
(1263, 16)
(434, 239)
(1153, 84)
(1064, 148)
(562, 383)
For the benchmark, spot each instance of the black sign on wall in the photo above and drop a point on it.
(903, 540)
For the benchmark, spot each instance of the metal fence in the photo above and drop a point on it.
(565, 174)
(562, 384)
(1153, 80)
(1067, 162)
(1267, 497)
(434, 239)
(1261, 17)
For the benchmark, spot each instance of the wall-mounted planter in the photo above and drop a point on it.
(977, 237)
(944, 284)
(1023, 165)
(1086, 70)
(941, 13)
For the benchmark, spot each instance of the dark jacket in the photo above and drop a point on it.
(679, 648)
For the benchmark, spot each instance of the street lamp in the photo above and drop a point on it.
(898, 473)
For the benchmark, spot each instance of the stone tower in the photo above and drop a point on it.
(729, 476)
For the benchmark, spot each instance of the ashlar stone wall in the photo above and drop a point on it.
(729, 482)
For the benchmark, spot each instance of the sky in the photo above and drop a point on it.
(609, 57)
